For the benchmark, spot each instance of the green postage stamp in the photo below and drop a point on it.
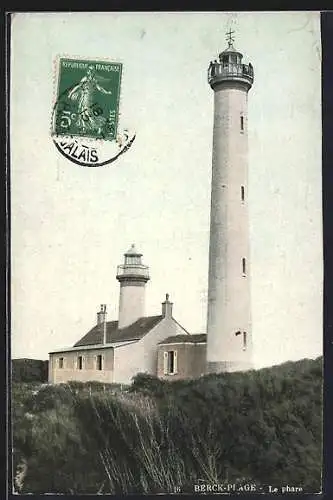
(88, 99)
(86, 111)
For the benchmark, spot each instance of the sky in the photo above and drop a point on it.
(70, 225)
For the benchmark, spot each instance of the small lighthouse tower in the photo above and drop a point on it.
(132, 276)
(229, 344)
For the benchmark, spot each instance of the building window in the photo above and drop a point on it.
(61, 362)
(170, 362)
(242, 123)
(242, 193)
(244, 341)
(99, 362)
(79, 362)
(244, 266)
(133, 260)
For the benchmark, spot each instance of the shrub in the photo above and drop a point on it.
(29, 370)
(261, 426)
(149, 385)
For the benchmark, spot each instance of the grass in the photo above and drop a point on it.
(154, 437)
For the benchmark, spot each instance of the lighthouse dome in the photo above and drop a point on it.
(230, 49)
(230, 56)
(133, 251)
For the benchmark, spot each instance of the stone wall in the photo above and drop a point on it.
(128, 361)
(191, 360)
(166, 328)
(89, 371)
(141, 357)
(121, 363)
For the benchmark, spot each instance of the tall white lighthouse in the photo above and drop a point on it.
(229, 344)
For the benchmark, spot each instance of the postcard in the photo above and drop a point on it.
(166, 253)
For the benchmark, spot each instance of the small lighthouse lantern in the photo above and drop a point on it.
(133, 266)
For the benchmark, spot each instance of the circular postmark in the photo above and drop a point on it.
(85, 115)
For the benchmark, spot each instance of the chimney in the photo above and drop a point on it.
(167, 307)
(101, 320)
(101, 315)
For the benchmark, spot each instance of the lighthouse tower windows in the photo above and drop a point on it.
(242, 194)
(242, 123)
(244, 266)
(244, 341)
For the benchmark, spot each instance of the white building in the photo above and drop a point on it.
(115, 351)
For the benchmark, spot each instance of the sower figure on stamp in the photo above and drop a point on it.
(88, 116)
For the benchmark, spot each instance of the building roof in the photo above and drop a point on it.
(135, 331)
(133, 251)
(113, 345)
(189, 339)
(231, 49)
